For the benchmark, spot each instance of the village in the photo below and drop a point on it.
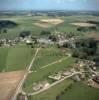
(61, 40)
(58, 38)
(46, 54)
(81, 71)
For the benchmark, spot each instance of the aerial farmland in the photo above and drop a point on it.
(49, 55)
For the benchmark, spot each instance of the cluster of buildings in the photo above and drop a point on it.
(87, 64)
(63, 39)
(7, 42)
(15, 41)
(96, 79)
(11, 42)
(54, 77)
(93, 80)
(40, 85)
(60, 37)
(78, 67)
(58, 76)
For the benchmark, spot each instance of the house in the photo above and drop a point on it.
(86, 63)
(96, 79)
(28, 40)
(40, 85)
(81, 64)
(76, 78)
(66, 73)
(44, 41)
(36, 86)
(45, 84)
(56, 77)
(62, 42)
(73, 70)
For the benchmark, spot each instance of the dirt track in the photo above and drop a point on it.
(8, 83)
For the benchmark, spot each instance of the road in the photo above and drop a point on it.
(19, 88)
(32, 62)
(58, 61)
(57, 82)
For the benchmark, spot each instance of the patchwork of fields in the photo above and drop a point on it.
(48, 60)
(28, 23)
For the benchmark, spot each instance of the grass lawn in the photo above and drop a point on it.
(80, 91)
(47, 56)
(51, 93)
(15, 58)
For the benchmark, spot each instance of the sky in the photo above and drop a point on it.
(49, 5)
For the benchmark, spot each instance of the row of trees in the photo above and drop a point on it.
(5, 24)
(58, 97)
(84, 29)
(24, 34)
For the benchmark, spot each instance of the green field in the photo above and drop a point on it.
(3, 58)
(52, 92)
(26, 23)
(80, 91)
(15, 58)
(47, 56)
(42, 74)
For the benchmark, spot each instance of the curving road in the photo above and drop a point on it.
(57, 82)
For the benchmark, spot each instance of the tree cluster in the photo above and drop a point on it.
(84, 29)
(24, 34)
(45, 33)
(85, 48)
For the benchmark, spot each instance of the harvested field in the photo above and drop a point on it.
(8, 83)
(52, 21)
(43, 25)
(83, 24)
